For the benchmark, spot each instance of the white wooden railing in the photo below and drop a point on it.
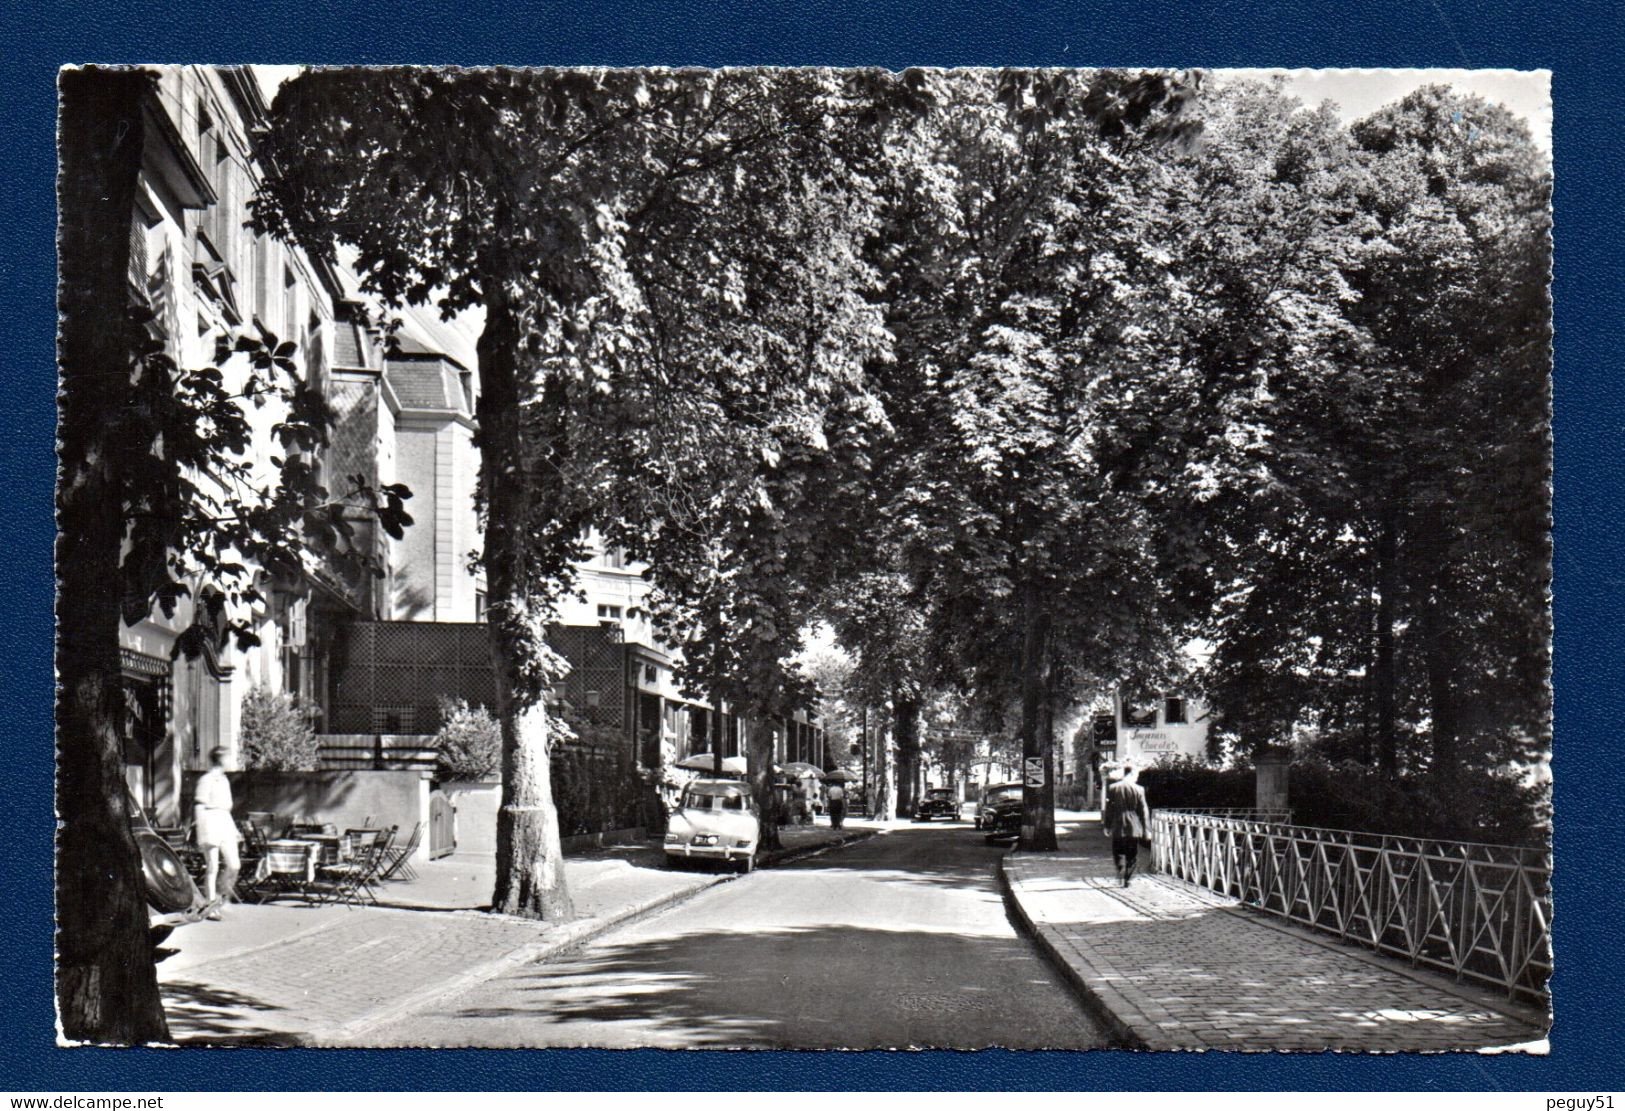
(1479, 912)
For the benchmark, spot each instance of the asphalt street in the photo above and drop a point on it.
(898, 941)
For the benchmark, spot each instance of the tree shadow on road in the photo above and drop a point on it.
(797, 987)
(203, 1014)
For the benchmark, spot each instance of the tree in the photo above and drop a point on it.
(161, 485)
(1381, 565)
(876, 618)
(1458, 303)
(1028, 289)
(596, 217)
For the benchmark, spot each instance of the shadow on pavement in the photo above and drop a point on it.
(796, 987)
(219, 1016)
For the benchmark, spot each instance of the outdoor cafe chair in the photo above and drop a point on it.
(289, 867)
(266, 824)
(350, 881)
(398, 858)
(364, 837)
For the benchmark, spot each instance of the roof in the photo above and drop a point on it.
(425, 380)
(349, 344)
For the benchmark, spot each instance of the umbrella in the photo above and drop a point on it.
(707, 762)
(839, 775)
(799, 769)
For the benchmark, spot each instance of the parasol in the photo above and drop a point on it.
(707, 762)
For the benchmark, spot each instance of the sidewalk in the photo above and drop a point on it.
(1172, 966)
(284, 974)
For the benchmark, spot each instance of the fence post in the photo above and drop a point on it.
(378, 752)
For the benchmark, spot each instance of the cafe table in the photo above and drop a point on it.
(332, 846)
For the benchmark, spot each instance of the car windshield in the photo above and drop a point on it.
(939, 795)
(1004, 794)
(714, 796)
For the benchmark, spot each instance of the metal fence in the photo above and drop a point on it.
(1478, 912)
(1241, 813)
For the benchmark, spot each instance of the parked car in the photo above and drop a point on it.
(715, 819)
(1000, 812)
(938, 802)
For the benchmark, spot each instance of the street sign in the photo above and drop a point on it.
(1035, 771)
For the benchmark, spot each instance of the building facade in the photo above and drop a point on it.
(207, 276)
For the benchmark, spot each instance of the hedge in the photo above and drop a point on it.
(1473, 805)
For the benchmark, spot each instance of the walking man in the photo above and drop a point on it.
(836, 793)
(216, 830)
(1126, 817)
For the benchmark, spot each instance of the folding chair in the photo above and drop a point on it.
(398, 864)
(350, 881)
(290, 867)
(267, 824)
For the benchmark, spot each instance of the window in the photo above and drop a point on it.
(265, 253)
(609, 613)
(614, 557)
(1139, 716)
(290, 306)
(1173, 711)
(481, 602)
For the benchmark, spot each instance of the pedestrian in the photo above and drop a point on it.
(1126, 817)
(216, 831)
(836, 794)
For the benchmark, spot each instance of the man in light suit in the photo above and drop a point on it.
(1126, 818)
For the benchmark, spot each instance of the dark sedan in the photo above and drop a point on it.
(1000, 812)
(939, 802)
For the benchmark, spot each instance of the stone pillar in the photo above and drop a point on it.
(1273, 765)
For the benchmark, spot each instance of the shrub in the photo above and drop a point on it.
(469, 743)
(596, 783)
(276, 733)
(1473, 805)
(1184, 782)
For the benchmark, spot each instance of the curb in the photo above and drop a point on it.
(568, 936)
(1096, 997)
(784, 856)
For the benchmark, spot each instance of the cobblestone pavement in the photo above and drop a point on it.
(1176, 967)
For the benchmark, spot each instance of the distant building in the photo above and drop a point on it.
(1161, 726)
(1142, 731)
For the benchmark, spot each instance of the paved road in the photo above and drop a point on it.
(901, 940)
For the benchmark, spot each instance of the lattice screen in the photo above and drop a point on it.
(389, 676)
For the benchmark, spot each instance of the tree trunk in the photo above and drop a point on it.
(906, 719)
(759, 772)
(1438, 643)
(716, 737)
(885, 805)
(1386, 679)
(530, 858)
(1037, 741)
(107, 984)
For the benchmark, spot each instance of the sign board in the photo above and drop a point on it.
(1181, 740)
(1035, 771)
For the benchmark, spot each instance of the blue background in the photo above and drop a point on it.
(1579, 41)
